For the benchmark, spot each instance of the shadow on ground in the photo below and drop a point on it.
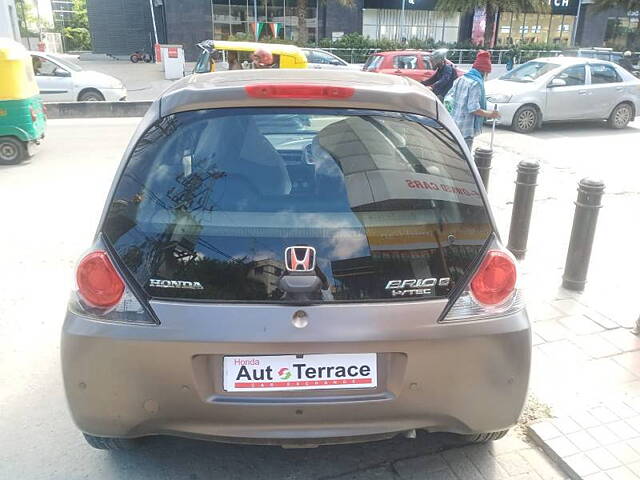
(193, 459)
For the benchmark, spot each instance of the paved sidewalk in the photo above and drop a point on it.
(509, 458)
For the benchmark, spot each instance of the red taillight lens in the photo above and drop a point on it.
(34, 117)
(299, 91)
(495, 280)
(99, 284)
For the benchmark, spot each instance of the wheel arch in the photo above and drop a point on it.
(628, 102)
(87, 90)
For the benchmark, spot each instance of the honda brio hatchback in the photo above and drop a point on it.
(295, 258)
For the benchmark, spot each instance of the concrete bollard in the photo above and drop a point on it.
(588, 204)
(482, 157)
(526, 183)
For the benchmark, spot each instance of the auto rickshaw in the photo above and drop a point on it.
(22, 118)
(222, 55)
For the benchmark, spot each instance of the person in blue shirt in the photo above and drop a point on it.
(440, 82)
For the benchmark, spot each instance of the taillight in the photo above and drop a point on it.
(299, 91)
(495, 279)
(99, 285)
(34, 117)
(493, 290)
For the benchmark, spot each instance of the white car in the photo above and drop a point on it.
(61, 80)
(321, 59)
(564, 89)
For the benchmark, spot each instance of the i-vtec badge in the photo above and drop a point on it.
(415, 286)
(183, 284)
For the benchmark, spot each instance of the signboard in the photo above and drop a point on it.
(172, 52)
(397, 4)
(564, 7)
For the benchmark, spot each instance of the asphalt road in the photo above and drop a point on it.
(50, 208)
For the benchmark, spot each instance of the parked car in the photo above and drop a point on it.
(415, 64)
(61, 80)
(599, 53)
(322, 59)
(564, 89)
(339, 282)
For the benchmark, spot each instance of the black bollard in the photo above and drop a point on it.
(483, 157)
(589, 200)
(526, 182)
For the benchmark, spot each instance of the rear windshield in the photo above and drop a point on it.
(210, 202)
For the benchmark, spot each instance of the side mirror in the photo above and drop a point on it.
(59, 72)
(557, 82)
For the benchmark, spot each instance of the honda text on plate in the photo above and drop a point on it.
(295, 258)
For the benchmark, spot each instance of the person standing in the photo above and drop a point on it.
(625, 62)
(442, 80)
(467, 102)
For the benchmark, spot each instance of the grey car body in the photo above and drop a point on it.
(599, 90)
(434, 372)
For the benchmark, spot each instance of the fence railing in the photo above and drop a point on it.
(456, 55)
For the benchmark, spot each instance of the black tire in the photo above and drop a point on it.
(485, 437)
(12, 151)
(526, 119)
(90, 96)
(147, 58)
(110, 443)
(620, 117)
(134, 58)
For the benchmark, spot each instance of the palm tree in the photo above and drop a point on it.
(303, 33)
(491, 7)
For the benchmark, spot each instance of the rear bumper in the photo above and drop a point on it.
(132, 381)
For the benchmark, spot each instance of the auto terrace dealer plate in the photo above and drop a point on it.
(309, 372)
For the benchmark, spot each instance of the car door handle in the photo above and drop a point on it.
(619, 89)
(583, 92)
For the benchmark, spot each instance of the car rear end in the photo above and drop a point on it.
(286, 258)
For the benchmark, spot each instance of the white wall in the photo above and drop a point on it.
(9, 20)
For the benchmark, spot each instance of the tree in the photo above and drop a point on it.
(302, 5)
(491, 8)
(76, 33)
(29, 22)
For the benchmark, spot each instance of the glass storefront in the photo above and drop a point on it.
(534, 28)
(623, 32)
(378, 23)
(276, 18)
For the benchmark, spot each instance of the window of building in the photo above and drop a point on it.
(534, 28)
(419, 24)
(621, 31)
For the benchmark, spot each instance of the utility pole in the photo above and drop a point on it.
(402, 23)
(255, 13)
(155, 31)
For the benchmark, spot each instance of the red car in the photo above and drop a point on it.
(414, 64)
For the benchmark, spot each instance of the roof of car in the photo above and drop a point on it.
(562, 60)
(227, 90)
(403, 52)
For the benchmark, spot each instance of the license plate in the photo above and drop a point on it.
(308, 372)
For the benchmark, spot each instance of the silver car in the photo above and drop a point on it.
(564, 89)
(333, 279)
(321, 59)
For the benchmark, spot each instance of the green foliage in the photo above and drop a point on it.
(76, 35)
(632, 5)
(28, 20)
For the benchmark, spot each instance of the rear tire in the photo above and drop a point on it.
(12, 151)
(485, 437)
(134, 58)
(526, 119)
(91, 96)
(620, 117)
(147, 58)
(110, 443)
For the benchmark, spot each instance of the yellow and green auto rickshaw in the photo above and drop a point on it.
(22, 118)
(222, 55)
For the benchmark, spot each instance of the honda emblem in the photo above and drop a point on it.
(300, 259)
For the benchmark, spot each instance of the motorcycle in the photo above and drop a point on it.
(137, 56)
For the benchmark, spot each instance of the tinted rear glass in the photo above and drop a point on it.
(210, 201)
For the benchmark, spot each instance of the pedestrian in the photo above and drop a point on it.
(467, 102)
(625, 62)
(442, 80)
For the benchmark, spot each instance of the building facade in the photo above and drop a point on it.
(9, 26)
(62, 11)
(120, 27)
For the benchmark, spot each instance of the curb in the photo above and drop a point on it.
(96, 109)
(550, 452)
